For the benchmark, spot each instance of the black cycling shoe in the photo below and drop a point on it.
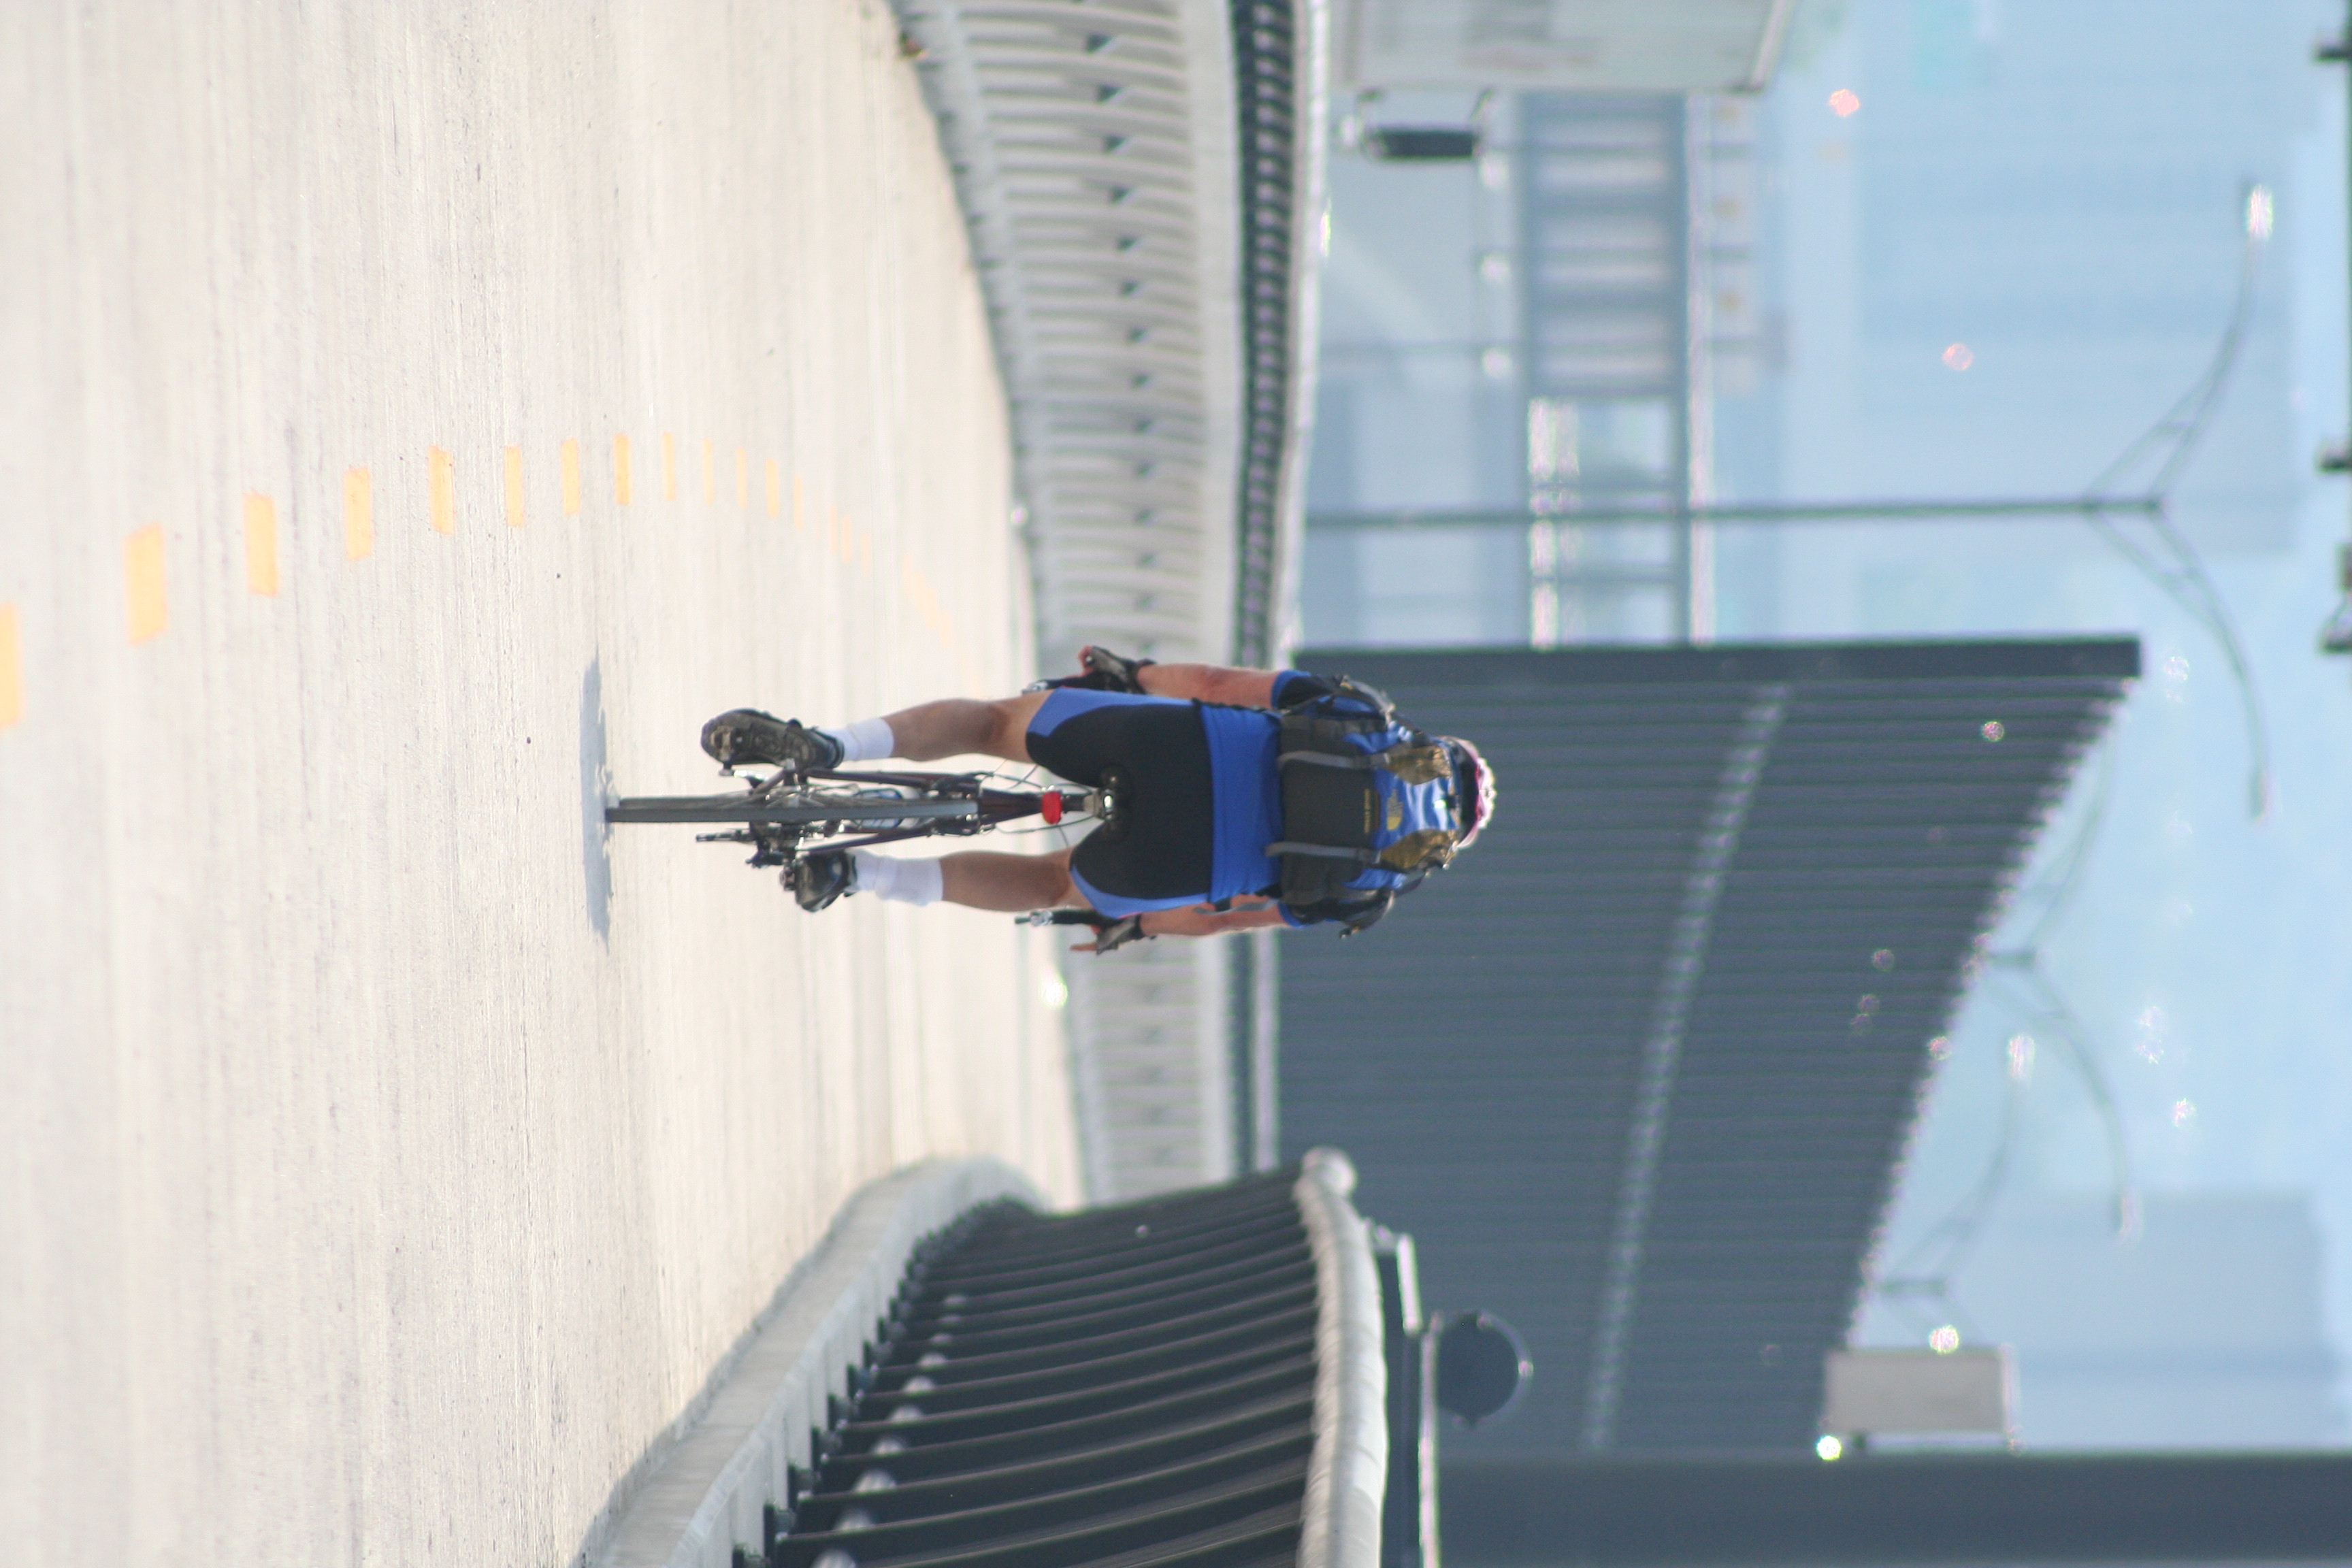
(818, 881)
(743, 735)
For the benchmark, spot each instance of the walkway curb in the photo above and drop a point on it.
(704, 1485)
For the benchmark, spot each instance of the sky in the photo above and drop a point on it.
(2070, 215)
(2015, 251)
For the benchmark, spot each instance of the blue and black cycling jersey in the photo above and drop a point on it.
(1191, 839)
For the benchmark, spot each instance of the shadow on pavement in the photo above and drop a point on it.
(595, 790)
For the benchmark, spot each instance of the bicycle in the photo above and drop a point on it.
(789, 813)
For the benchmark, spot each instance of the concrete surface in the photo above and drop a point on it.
(386, 1151)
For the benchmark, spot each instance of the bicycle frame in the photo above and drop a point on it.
(938, 805)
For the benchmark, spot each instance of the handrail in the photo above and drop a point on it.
(704, 1484)
(1346, 1475)
(1281, 71)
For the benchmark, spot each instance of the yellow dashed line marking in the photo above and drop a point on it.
(514, 487)
(12, 668)
(261, 545)
(142, 582)
(359, 513)
(441, 490)
(927, 600)
(146, 604)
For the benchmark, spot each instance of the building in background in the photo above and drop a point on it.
(1963, 249)
(2016, 247)
(1558, 353)
(1581, 46)
(1638, 1070)
(1535, 325)
(1993, 254)
(2052, 191)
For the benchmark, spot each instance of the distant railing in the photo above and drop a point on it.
(1092, 148)
(1280, 57)
(1142, 182)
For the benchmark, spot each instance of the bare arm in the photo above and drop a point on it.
(1210, 683)
(1203, 919)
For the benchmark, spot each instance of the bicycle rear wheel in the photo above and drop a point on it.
(861, 809)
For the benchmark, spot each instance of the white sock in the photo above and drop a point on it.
(868, 740)
(900, 882)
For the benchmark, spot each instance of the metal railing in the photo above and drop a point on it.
(1197, 1379)
(1347, 1480)
(1093, 152)
(1142, 183)
(1280, 63)
(719, 1475)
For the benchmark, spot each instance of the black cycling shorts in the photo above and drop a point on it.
(1167, 845)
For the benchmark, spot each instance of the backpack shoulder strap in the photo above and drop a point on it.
(1324, 691)
(1356, 912)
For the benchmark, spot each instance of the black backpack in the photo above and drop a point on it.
(1368, 807)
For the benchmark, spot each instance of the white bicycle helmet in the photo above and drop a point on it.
(1474, 786)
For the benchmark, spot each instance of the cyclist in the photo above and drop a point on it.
(1248, 797)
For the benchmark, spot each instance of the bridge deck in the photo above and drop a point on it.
(415, 425)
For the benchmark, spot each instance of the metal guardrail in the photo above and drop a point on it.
(723, 1468)
(1192, 1380)
(1092, 147)
(1228, 1377)
(1281, 56)
(1142, 182)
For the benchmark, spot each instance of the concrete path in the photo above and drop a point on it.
(415, 426)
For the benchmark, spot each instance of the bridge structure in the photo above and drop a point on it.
(1143, 186)
(422, 424)
(421, 420)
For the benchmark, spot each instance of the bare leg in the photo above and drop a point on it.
(980, 879)
(959, 726)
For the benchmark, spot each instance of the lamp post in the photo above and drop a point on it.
(2335, 633)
